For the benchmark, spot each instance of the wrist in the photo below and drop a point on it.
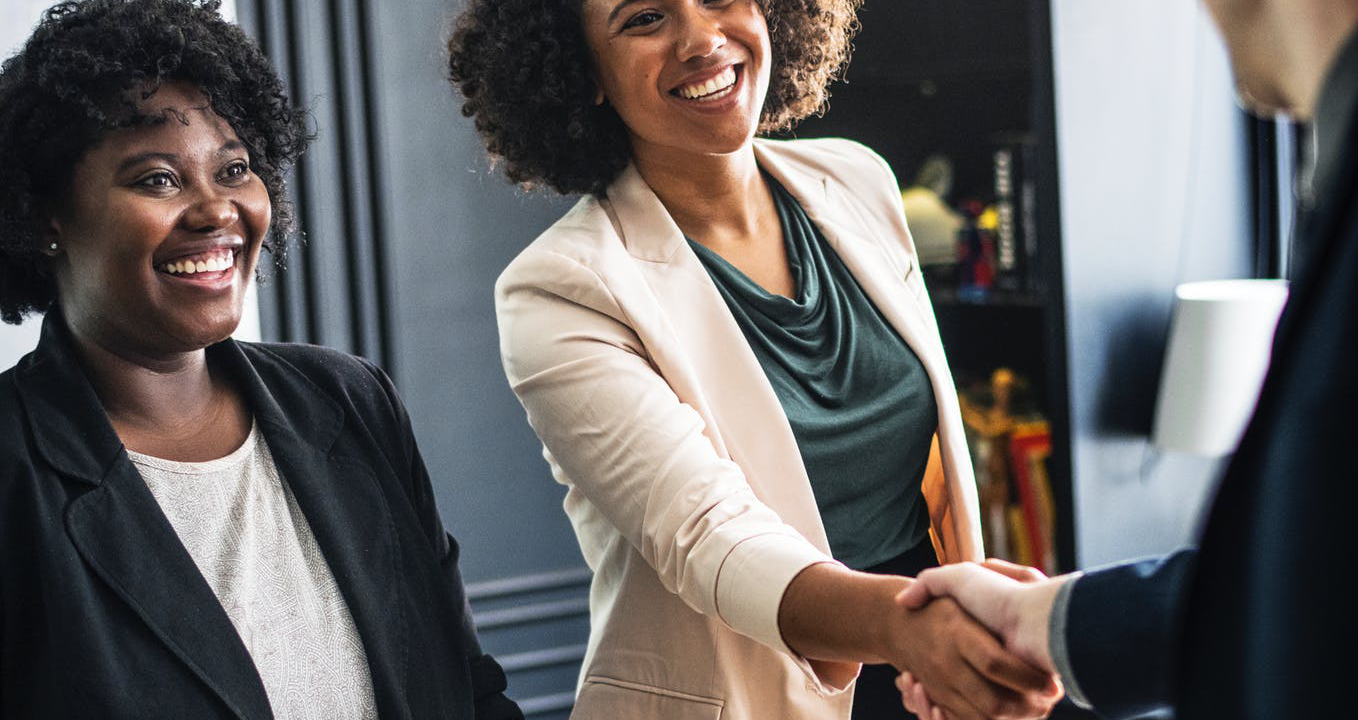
(832, 613)
(1032, 638)
(891, 623)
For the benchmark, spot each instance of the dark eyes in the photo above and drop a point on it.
(158, 180)
(235, 170)
(650, 17)
(642, 19)
(161, 180)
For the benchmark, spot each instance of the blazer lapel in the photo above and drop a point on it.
(120, 531)
(874, 270)
(707, 360)
(831, 208)
(345, 508)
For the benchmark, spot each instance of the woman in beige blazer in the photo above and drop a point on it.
(715, 594)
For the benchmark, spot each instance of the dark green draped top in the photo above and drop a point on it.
(857, 397)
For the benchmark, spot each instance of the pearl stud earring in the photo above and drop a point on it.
(53, 246)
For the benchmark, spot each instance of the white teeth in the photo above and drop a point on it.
(215, 261)
(722, 81)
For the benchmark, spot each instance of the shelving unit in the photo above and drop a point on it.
(953, 78)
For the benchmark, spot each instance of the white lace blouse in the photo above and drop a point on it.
(241, 525)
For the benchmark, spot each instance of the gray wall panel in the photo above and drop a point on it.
(452, 226)
(407, 230)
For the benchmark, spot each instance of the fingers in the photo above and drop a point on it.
(914, 597)
(966, 670)
(911, 692)
(928, 649)
(1017, 689)
(936, 582)
(1014, 571)
(916, 699)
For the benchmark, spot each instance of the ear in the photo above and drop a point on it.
(49, 233)
(599, 94)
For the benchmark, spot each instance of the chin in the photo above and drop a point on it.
(1261, 106)
(201, 332)
(1259, 97)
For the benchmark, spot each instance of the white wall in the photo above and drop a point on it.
(17, 18)
(1154, 192)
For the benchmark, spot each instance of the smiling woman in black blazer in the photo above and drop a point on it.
(192, 527)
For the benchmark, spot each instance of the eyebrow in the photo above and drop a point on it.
(144, 157)
(171, 158)
(618, 9)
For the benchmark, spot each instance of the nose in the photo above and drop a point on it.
(700, 34)
(211, 210)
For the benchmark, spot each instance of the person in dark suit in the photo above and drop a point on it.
(190, 526)
(1258, 621)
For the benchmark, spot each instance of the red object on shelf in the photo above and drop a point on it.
(1024, 448)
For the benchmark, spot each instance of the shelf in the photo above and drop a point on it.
(950, 298)
(914, 76)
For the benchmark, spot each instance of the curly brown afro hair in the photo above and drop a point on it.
(82, 73)
(525, 73)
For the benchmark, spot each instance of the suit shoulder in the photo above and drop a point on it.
(12, 422)
(578, 246)
(336, 373)
(833, 156)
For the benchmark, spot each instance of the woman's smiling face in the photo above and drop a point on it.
(160, 231)
(685, 76)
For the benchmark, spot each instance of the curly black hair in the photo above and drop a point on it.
(82, 73)
(524, 71)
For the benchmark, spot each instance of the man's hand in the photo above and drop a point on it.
(1013, 601)
(966, 669)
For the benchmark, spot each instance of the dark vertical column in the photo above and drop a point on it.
(395, 193)
(333, 288)
(1261, 135)
(1048, 211)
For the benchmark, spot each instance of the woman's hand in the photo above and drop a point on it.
(914, 695)
(832, 613)
(968, 673)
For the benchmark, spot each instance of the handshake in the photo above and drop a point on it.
(1015, 604)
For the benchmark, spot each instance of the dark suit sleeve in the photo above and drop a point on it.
(488, 678)
(1122, 633)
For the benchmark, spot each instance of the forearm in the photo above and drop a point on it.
(832, 613)
(836, 615)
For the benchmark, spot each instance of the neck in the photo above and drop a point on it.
(141, 392)
(712, 198)
(1310, 36)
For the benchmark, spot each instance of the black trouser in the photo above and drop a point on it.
(877, 697)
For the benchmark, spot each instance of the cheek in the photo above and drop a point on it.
(634, 95)
(257, 212)
(119, 243)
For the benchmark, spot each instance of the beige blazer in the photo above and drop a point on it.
(684, 482)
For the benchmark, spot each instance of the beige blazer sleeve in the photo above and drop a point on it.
(615, 430)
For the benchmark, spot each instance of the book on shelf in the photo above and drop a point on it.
(1009, 453)
(1015, 204)
(1029, 446)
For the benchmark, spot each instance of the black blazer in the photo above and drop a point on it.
(103, 614)
(1262, 621)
